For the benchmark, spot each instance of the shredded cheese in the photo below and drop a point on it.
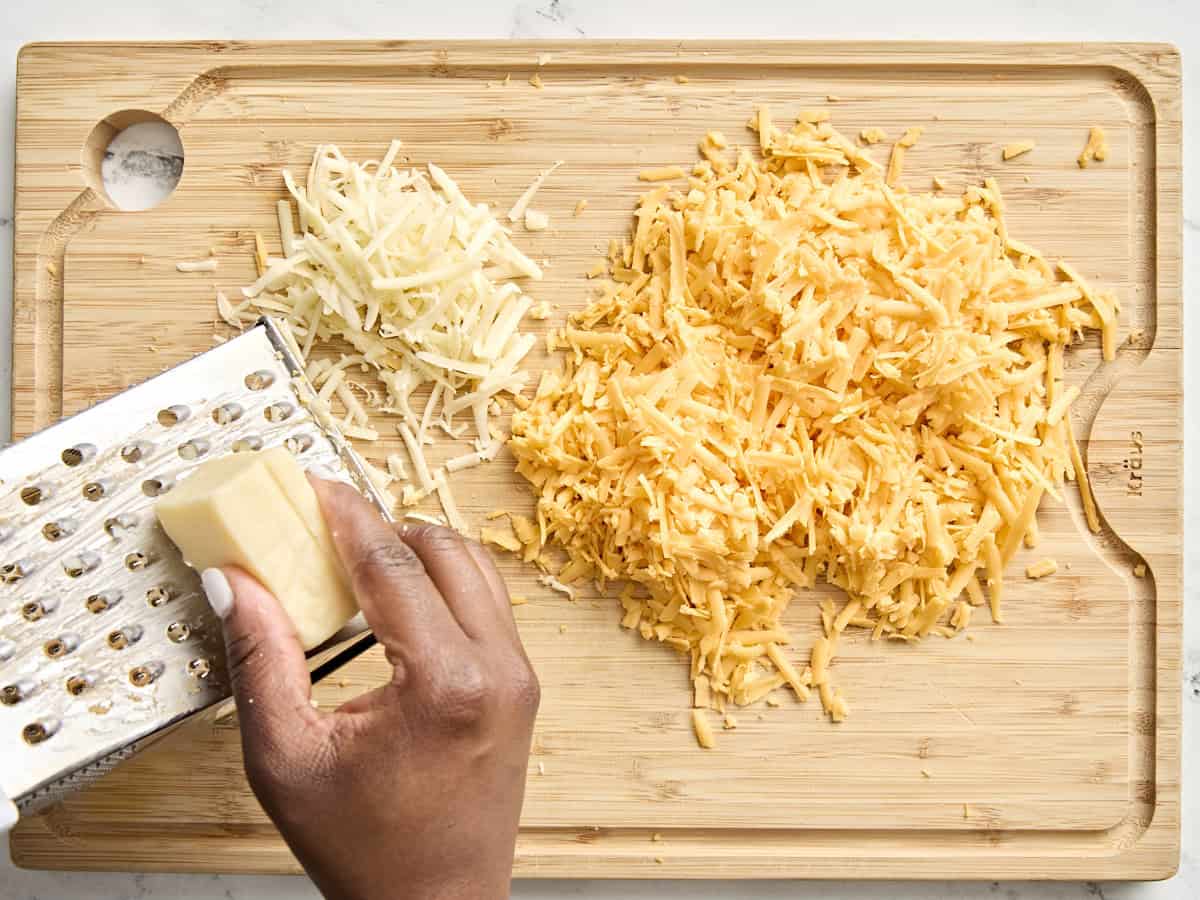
(536, 221)
(704, 732)
(1096, 147)
(200, 265)
(517, 213)
(800, 371)
(1041, 568)
(419, 282)
(1018, 148)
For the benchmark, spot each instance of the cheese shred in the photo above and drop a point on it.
(801, 372)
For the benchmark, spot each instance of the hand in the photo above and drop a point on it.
(413, 789)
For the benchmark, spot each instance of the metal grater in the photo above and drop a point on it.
(106, 639)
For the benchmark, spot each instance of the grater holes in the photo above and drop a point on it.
(121, 638)
(144, 676)
(136, 451)
(227, 413)
(115, 525)
(12, 694)
(160, 595)
(199, 667)
(279, 412)
(79, 564)
(33, 494)
(193, 449)
(260, 380)
(78, 455)
(156, 487)
(77, 684)
(137, 560)
(173, 415)
(35, 610)
(12, 573)
(247, 444)
(7, 649)
(96, 490)
(59, 529)
(298, 443)
(102, 602)
(57, 648)
(36, 732)
(178, 632)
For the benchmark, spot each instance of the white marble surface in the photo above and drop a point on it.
(1152, 20)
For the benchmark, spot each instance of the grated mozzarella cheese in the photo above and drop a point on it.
(401, 266)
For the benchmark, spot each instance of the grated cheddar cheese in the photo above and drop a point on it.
(800, 371)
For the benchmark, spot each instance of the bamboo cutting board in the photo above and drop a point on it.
(1046, 747)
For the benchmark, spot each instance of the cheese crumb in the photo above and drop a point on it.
(518, 209)
(499, 537)
(580, 207)
(682, 79)
(518, 600)
(201, 265)
(536, 80)
(1139, 570)
(665, 173)
(872, 135)
(1041, 568)
(536, 221)
(1096, 147)
(1019, 148)
(704, 733)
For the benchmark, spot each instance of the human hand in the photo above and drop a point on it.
(414, 789)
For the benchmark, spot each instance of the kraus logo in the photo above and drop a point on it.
(1133, 464)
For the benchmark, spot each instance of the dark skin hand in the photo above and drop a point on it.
(413, 789)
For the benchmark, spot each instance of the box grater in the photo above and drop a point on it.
(106, 639)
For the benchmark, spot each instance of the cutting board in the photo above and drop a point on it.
(1045, 747)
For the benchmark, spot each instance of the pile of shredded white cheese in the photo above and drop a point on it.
(799, 372)
(417, 280)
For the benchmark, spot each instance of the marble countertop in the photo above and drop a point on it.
(1178, 21)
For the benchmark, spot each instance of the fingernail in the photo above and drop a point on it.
(323, 472)
(218, 591)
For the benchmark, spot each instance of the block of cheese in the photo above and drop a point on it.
(258, 511)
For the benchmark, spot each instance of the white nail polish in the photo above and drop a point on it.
(323, 472)
(218, 591)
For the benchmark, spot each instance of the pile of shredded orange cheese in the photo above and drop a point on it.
(798, 372)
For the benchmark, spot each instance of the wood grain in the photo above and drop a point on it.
(1051, 743)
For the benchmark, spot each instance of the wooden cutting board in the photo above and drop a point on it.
(1046, 747)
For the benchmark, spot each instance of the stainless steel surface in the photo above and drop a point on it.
(105, 636)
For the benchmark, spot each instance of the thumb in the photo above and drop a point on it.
(266, 662)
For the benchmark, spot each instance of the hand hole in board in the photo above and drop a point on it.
(133, 159)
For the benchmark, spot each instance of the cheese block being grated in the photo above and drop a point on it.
(418, 281)
(799, 372)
